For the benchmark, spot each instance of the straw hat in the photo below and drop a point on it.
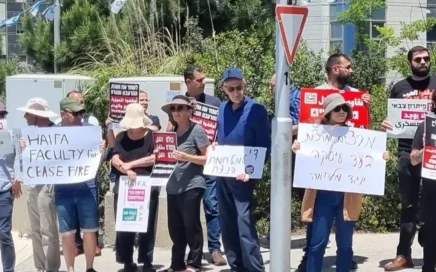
(135, 117)
(178, 100)
(334, 100)
(39, 107)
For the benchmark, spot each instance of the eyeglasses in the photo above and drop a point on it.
(176, 108)
(344, 108)
(419, 59)
(349, 67)
(231, 89)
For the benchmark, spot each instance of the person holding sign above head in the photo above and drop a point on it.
(420, 85)
(133, 155)
(241, 122)
(186, 186)
(322, 208)
(427, 234)
(40, 201)
(76, 204)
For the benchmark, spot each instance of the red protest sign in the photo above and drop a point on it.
(312, 110)
(165, 143)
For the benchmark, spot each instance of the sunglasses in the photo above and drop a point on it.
(176, 108)
(77, 114)
(419, 59)
(344, 108)
(232, 89)
(3, 114)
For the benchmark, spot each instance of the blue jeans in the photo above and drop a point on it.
(77, 207)
(210, 203)
(7, 248)
(328, 208)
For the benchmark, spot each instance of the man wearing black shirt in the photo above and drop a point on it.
(418, 86)
(195, 82)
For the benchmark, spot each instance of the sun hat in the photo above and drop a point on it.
(334, 100)
(135, 117)
(39, 107)
(178, 100)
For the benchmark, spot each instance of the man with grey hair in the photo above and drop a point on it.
(40, 201)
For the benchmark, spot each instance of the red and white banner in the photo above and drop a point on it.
(312, 110)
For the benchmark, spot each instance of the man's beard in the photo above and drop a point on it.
(421, 72)
(343, 79)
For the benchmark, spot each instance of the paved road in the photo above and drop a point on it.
(372, 252)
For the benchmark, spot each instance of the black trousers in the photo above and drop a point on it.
(185, 228)
(124, 241)
(409, 178)
(427, 233)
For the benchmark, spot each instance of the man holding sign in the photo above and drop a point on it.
(418, 86)
(241, 122)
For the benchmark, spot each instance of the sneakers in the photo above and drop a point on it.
(399, 263)
(131, 267)
(91, 270)
(218, 259)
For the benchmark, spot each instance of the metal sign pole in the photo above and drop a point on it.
(281, 164)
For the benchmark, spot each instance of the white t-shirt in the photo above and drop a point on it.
(90, 120)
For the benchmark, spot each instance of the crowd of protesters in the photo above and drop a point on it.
(64, 211)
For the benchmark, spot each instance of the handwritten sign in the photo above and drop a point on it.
(5, 139)
(121, 95)
(429, 159)
(60, 155)
(405, 116)
(133, 204)
(312, 110)
(164, 165)
(231, 161)
(342, 159)
(206, 116)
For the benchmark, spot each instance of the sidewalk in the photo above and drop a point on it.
(372, 252)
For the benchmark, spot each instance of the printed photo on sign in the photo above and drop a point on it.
(312, 110)
(231, 161)
(164, 143)
(342, 159)
(429, 157)
(206, 116)
(60, 155)
(121, 95)
(405, 116)
(133, 204)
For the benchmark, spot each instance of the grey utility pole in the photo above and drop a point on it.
(57, 33)
(281, 164)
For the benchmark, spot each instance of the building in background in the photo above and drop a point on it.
(324, 32)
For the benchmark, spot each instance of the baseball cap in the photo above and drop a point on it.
(71, 105)
(232, 73)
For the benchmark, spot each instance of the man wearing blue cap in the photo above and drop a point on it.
(241, 122)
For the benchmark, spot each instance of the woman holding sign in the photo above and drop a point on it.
(133, 156)
(322, 208)
(186, 186)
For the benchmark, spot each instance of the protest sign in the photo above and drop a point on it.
(60, 155)
(133, 204)
(342, 159)
(164, 165)
(312, 110)
(429, 157)
(121, 95)
(206, 116)
(5, 139)
(231, 161)
(405, 116)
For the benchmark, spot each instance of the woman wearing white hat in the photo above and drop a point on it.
(186, 186)
(322, 208)
(133, 155)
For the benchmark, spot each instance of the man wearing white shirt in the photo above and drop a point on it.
(40, 201)
(89, 119)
